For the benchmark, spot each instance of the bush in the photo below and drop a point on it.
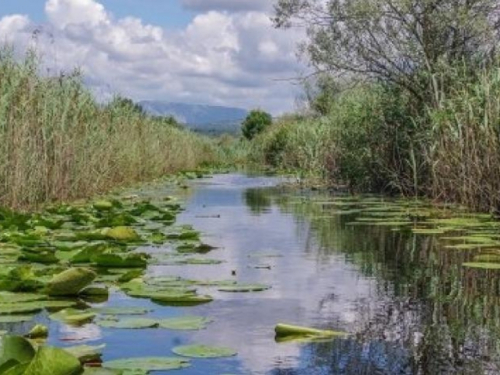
(256, 122)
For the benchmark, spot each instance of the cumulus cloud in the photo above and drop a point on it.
(222, 58)
(228, 5)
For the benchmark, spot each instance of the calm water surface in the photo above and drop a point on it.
(409, 306)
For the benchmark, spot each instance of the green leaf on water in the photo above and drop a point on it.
(121, 310)
(148, 364)
(16, 349)
(38, 332)
(32, 307)
(129, 323)
(122, 234)
(70, 282)
(15, 318)
(185, 323)
(73, 316)
(244, 288)
(86, 353)
(485, 266)
(204, 351)
(53, 361)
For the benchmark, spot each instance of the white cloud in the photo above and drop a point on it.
(228, 5)
(234, 59)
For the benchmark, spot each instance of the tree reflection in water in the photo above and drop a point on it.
(429, 314)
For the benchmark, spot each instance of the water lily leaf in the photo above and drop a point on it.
(185, 323)
(204, 351)
(148, 364)
(20, 279)
(471, 246)
(428, 231)
(70, 282)
(121, 310)
(182, 299)
(6, 297)
(244, 288)
(110, 260)
(73, 316)
(96, 290)
(130, 275)
(215, 282)
(129, 323)
(103, 205)
(32, 307)
(487, 258)
(53, 361)
(123, 234)
(38, 332)
(193, 248)
(13, 368)
(197, 261)
(191, 235)
(283, 330)
(16, 318)
(39, 255)
(85, 255)
(485, 266)
(17, 349)
(86, 353)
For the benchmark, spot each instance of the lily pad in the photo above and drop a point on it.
(53, 361)
(16, 318)
(70, 282)
(283, 330)
(112, 260)
(123, 234)
(198, 261)
(32, 307)
(185, 323)
(16, 349)
(182, 299)
(204, 351)
(244, 288)
(148, 364)
(86, 353)
(129, 323)
(73, 316)
(19, 297)
(485, 266)
(121, 310)
(38, 332)
(103, 205)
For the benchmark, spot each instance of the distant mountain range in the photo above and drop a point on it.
(201, 118)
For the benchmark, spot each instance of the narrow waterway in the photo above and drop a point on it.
(406, 302)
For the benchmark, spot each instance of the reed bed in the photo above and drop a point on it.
(58, 143)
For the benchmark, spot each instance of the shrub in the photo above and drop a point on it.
(255, 123)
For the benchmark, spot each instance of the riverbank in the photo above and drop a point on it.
(376, 138)
(57, 143)
(199, 260)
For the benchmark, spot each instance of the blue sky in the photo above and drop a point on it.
(220, 52)
(167, 13)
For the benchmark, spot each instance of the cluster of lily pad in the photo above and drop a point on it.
(65, 258)
(454, 226)
(21, 356)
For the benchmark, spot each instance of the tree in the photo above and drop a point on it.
(126, 104)
(403, 42)
(320, 93)
(256, 121)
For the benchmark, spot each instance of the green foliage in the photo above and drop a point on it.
(256, 122)
(400, 42)
(58, 143)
